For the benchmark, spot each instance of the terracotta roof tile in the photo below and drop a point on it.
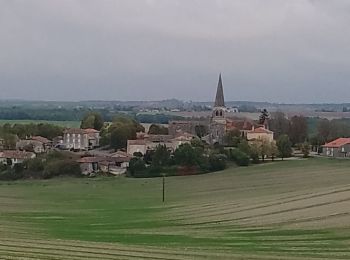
(338, 143)
(14, 154)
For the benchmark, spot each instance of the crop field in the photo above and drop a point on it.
(283, 210)
(59, 123)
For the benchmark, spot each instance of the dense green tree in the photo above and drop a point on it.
(122, 129)
(92, 120)
(161, 156)
(186, 155)
(156, 129)
(284, 146)
(217, 162)
(136, 166)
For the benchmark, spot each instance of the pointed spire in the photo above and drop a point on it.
(219, 99)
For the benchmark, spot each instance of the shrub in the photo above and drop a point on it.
(217, 162)
(35, 165)
(239, 157)
(61, 167)
(136, 166)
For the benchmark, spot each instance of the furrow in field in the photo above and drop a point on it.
(83, 247)
(67, 253)
(259, 213)
(222, 207)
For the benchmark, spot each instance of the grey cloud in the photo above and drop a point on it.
(284, 51)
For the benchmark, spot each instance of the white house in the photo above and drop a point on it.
(12, 157)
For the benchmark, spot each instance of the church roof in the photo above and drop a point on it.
(219, 99)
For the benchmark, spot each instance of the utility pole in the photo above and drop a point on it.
(163, 188)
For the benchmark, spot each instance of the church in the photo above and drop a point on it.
(214, 129)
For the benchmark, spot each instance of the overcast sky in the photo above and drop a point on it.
(267, 50)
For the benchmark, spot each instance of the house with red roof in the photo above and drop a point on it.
(260, 133)
(338, 148)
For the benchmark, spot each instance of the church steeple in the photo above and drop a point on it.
(219, 99)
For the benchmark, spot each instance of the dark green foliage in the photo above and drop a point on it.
(138, 154)
(161, 156)
(239, 157)
(156, 129)
(284, 146)
(18, 168)
(34, 165)
(3, 167)
(217, 162)
(10, 132)
(264, 116)
(92, 120)
(233, 138)
(136, 167)
(201, 130)
(61, 167)
(186, 155)
(122, 129)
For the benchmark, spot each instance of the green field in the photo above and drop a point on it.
(284, 210)
(59, 123)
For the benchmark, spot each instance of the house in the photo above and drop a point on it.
(36, 144)
(12, 157)
(260, 133)
(80, 139)
(338, 148)
(114, 165)
(89, 164)
(147, 142)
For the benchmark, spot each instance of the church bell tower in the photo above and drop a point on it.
(219, 108)
(218, 118)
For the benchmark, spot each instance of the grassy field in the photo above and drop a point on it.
(59, 123)
(282, 210)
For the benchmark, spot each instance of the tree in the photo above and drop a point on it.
(233, 138)
(305, 149)
(92, 120)
(239, 157)
(273, 151)
(265, 148)
(324, 130)
(284, 146)
(136, 166)
(186, 155)
(264, 116)
(217, 162)
(298, 129)
(200, 130)
(255, 151)
(279, 124)
(121, 130)
(156, 129)
(161, 156)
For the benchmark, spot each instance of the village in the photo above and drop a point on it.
(218, 134)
